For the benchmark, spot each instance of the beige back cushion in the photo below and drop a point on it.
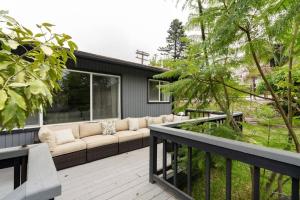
(89, 129)
(143, 122)
(73, 126)
(155, 120)
(168, 118)
(122, 125)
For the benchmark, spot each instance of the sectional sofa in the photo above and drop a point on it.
(77, 143)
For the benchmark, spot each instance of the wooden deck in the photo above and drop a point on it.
(121, 177)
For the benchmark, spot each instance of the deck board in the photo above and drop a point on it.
(121, 177)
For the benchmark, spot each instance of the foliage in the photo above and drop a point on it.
(176, 41)
(30, 66)
(279, 83)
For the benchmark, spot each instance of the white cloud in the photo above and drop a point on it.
(114, 28)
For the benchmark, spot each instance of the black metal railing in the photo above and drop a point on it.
(283, 162)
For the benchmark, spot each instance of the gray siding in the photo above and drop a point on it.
(17, 138)
(134, 88)
(133, 97)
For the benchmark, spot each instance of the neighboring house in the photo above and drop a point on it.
(96, 88)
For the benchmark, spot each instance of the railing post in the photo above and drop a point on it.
(165, 159)
(255, 183)
(16, 173)
(228, 178)
(207, 175)
(189, 171)
(153, 157)
(24, 169)
(295, 189)
(175, 164)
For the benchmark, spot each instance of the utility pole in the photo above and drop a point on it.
(141, 55)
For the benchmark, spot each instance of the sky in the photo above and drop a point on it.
(113, 28)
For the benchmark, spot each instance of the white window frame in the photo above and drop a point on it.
(159, 91)
(41, 116)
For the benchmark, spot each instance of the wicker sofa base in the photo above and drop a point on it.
(130, 145)
(70, 159)
(146, 141)
(102, 152)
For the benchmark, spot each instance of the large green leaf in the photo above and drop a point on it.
(18, 99)
(4, 64)
(47, 50)
(15, 85)
(3, 98)
(13, 44)
(37, 87)
(9, 112)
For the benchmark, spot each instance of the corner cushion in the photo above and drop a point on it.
(71, 147)
(73, 126)
(125, 136)
(99, 140)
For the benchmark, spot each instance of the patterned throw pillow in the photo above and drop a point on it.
(108, 127)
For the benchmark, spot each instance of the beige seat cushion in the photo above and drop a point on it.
(122, 125)
(71, 147)
(125, 136)
(143, 122)
(144, 131)
(99, 140)
(73, 126)
(89, 129)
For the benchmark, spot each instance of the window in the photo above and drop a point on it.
(72, 103)
(105, 97)
(84, 96)
(155, 93)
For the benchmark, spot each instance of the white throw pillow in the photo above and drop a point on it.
(133, 124)
(108, 127)
(64, 136)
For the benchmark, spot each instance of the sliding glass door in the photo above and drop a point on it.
(84, 96)
(105, 97)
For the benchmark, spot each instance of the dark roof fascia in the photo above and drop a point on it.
(81, 54)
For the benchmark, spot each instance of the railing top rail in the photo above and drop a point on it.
(200, 120)
(13, 152)
(243, 147)
(204, 111)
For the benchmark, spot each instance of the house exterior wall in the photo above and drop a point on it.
(134, 86)
(134, 102)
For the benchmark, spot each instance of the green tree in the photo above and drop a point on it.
(176, 41)
(30, 66)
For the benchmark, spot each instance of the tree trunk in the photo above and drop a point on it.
(290, 79)
(202, 27)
